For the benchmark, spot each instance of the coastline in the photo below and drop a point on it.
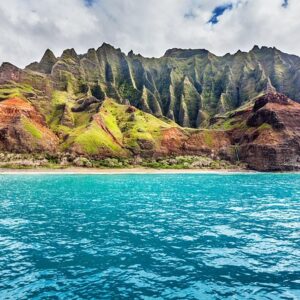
(102, 171)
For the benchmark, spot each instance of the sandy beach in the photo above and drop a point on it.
(87, 171)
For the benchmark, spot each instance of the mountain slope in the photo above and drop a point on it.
(23, 129)
(187, 86)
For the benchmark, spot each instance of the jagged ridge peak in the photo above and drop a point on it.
(6, 64)
(69, 53)
(185, 53)
(108, 47)
(271, 97)
(47, 62)
(48, 55)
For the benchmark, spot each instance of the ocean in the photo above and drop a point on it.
(170, 236)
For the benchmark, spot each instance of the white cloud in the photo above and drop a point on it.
(148, 27)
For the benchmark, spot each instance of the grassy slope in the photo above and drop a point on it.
(31, 128)
(133, 126)
(12, 90)
(115, 130)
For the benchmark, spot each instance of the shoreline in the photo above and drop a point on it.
(102, 171)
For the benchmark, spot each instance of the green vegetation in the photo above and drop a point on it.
(231, 123)
(264, 126)
(61, 104)
(175, 162)
(109, 114)
(127, 91)
(25, 161)
(132, 125)
(59, 98)
(114, 128)
(21, 166)
(208, 138)
(95, 139)
(115, 163)
(12, 90)
(31, 128)
(97, 92)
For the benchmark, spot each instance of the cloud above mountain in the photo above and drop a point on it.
(28, 27)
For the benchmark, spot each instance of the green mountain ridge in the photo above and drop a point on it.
(187, 86)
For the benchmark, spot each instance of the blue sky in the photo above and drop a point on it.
(149, 27)
(219, 11)
(88, 3)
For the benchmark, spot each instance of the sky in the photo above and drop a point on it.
(148, 27)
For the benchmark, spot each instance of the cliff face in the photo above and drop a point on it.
(108, 104)
(187, 86)
(269, 137)
(23, 129)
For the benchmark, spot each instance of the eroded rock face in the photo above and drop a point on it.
(23, 129)
(9, 72)
(272, 140)
(271, 98)
(282, 157)
(176, 141)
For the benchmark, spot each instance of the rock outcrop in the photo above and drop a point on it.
(177, 141)
(271, 139)
(9, 72)
(23, 129)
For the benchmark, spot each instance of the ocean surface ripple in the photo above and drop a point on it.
(193, 236)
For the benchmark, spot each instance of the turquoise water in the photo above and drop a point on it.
(150, 236)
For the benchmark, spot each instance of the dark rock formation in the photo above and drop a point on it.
(9, 72)
(272, 140)
(45, 65)
(85, 103)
